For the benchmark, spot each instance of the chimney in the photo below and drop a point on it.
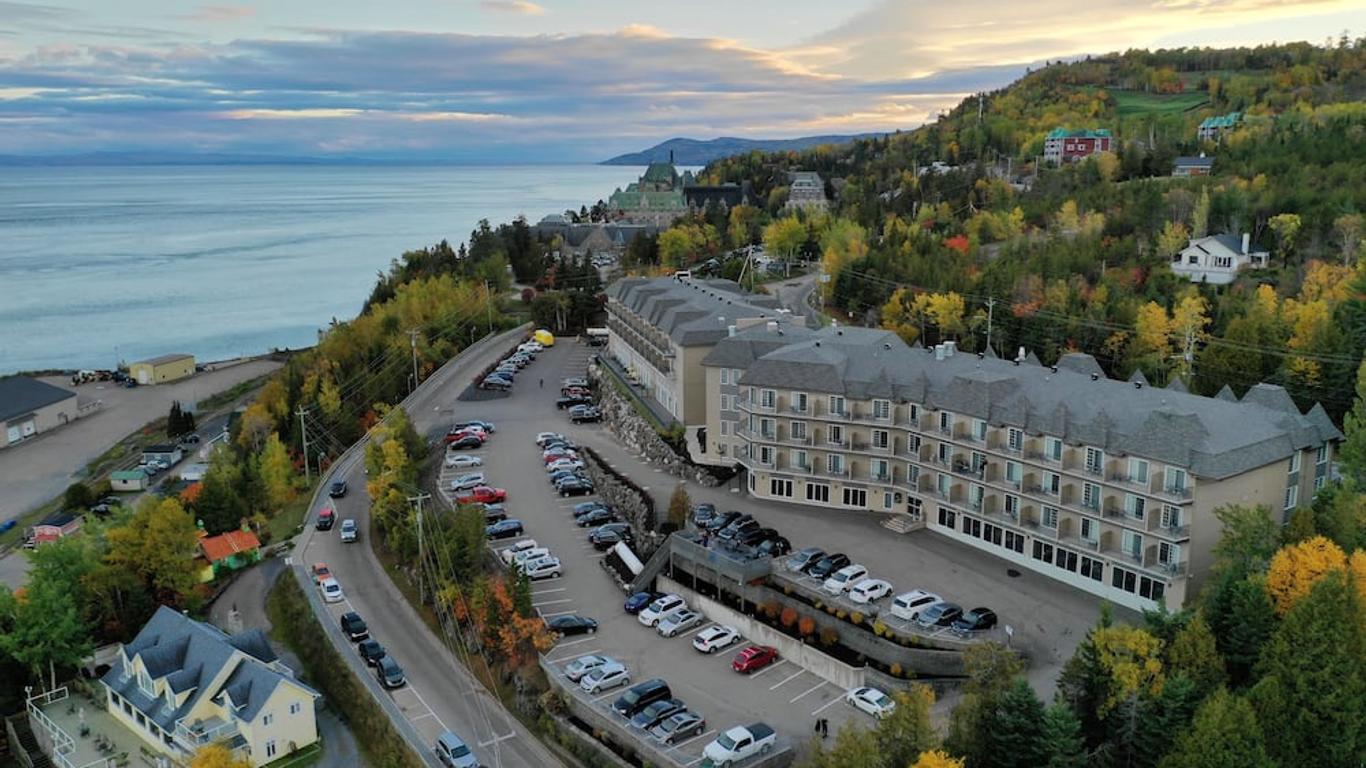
(730, 330)
(772, 326)
(1247, 241)
(671, 157)
(1020, 356)
(949, 348)
(939, 352)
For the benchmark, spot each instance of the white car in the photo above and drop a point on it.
(518, 546)
(660, 609)
(463, 461)
(715, 637)
(680, 621)
(528, 555)
(544, 437)
(871, 700)
(332, 591)
(350, 532)
(530, 346)
(578, 668)
(468, 481)
(605, 677)
(559, 464)
(542, 568)
(869, 590)
(908, 605)
(840, 581)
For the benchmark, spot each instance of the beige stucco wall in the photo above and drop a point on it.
(147, 373)
(46, 418)
(299, 729)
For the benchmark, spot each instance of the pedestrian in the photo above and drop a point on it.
(818, 726)
(542, 383)
(825, 728)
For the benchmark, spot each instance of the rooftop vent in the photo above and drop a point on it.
(981, 355)
(818, 343)
(1095, 377)
(939, 353)
(772, 326)
(949, 348)
(730, 330)
(1053, 368)
(886, 345)
(839, 332)
(1138, 385)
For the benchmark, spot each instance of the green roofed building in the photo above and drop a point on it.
(1064, 146)
(657, 198)
(1214, 128)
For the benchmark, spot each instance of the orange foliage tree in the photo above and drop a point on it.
(1295, 568)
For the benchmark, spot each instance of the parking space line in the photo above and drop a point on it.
(772, 666)
(553, 602)
(828, 705)
(420, 717)
(429, 707)
(787, 679)
(572, 642)
(547, 591)
(497, 739)
(812, 689)
(686, 742)
(572, 656)
(553, 613)
(612, 692)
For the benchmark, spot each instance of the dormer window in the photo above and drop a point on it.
(145, 683)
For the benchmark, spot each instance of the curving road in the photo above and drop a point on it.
(441, 693)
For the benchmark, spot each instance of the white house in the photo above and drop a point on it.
(1216, 259)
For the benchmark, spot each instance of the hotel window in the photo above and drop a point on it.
(145, 683)
(976, 494)
(1123, 578)
(1065, 559)
(1015, 542)
(944, 484)
(270, 748)
(780, 487)
(1049, 517)
(1168, 554)
(799, 460)
(1176, 480)
(913, 444)
(725, 376)
(1090, 495)
(1133, 506)
(1091, 568)
(267, 718)
(1132, 543)
(767, 398)
(835, 463)
(1292, 496)
(979, 430)
(855, 497)
(1089, 530)
(818, 492)
(913, 413)
(768, 428)
(1015, 439)
(979, 463)
(1095, 461)
(798, 430)
(766, 455)
(886, 500)
(1013, 473)
(881, 470)
(1043, 551)
(882, 409)
(947, 517)
(1150, 588)
(1013, 506)
(1171, 516)
(1321, 466)
(1052, 449)
(799, 402)
(881, 438)
(945, 453)
(837, 405)
(725, 402)
(735, 376)
(836, 434)
(725, 428)
(946, 422)
(913, 476)
(1138, 471)
(1052, 483)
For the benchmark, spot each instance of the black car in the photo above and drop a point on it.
(496, 383)
(739, 528)
(573, 624)
(494, 513)
(752, 536)
(678, 726)
(640, 601)
(653, 714)
(560, 445)
(504, 529)
(801, 561)
(940, 614)
(974, 620)
(562, 474)
(388, 671)
(354, 626)
(569, 401)
(773, 546)
(721, 521)
(828, 565)
(596, 517)
(337, 490)
(584, 415)
(371, 651)
(484, 425)
(603, 540)
(469, 441)
(575, 486)
(585, 506)
(640, 696)
(702, 514)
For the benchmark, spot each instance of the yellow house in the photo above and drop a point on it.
(181, 684)
(160, 370)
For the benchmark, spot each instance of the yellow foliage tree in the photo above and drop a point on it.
(1152, 332)
(1295, 568)
(277, 473)
(842, 243)
(1267, 303)
(1107, 165)
(937, 758)
(1356, 569)
(1326, 282)
(1132, 659)
(897, 315)
(1191, 315)
(1172, 239)
(217, 756)
(1067, 218)
(946, 311)
(256, 423)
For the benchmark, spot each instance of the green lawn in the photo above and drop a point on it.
(1132, 103)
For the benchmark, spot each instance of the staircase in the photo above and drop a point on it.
(24, 745)
(901, 522)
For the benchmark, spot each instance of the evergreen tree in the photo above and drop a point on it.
(1224, 734)
(907, 731)
(1014, 733)
(1084, 686)
(221, 505)
(1194, 653)
(1242, 619)
(1063, 746)
(1311, 699)
(1352, 452)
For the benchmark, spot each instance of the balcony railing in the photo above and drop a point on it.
(880, 477)
(858, 445)
(799, 440)
(200, 732)
(804, 469)
(797, 411)
(837, 472)
(961, 468)
(838, 443)
(1124, 478)
(1180, 493)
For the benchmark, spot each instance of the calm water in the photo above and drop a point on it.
(98, 264)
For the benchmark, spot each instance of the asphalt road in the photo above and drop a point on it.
(441, 694)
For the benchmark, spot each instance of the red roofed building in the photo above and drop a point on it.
(227, 552)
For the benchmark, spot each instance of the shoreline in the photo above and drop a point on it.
(208, 365)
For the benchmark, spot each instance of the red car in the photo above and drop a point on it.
(754, 658)
(576, 392)
(482, 494)
(551, 458)
(452, 437)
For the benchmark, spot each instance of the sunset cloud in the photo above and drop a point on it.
(512, 6)
(217, 14)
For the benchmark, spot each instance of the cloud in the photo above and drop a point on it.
(523, 7)
(218, 14)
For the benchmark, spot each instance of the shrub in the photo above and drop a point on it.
(880, 629)
(829, 636)
(840, 614)
(806, 625)
(770, 609)
(788, 617)
(787, 589)
(819, 605)
(528, 294)
(895, 669)
(856, 617)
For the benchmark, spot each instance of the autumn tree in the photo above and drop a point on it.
(907, 731)
(1352, 451)
(1194, 653)
(158, 543)
(279, 480)
(898, 315)
(742, 226)
(1172, 240)
(842, 243)
(217, 756)
(1296, 567)
(937, 758)
(1151, 344)
(1286, 227)
(785, 237)
(1347, 229)
(679, 504)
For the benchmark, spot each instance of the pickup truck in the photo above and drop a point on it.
(739, 744)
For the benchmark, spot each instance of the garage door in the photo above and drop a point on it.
(29, 428)
(13, 435)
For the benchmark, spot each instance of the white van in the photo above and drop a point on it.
(908, 605)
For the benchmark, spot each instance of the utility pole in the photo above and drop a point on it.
(412, 335)
(417, 501)
(991, 305)
(488, 302)
(303, 432)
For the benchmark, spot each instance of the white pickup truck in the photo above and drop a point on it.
(739, 744)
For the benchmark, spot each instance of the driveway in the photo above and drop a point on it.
(39, 469)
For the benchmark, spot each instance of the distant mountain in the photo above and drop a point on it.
(157, 158)
(697, 152)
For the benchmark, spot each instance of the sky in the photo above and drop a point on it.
(543, 80)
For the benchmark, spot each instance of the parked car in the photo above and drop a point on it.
(320, 571)
(494, 512)
(656, 712)
(574, 382)
(908, 605)
(504, 529)
(572, 624)
(754, 658)
(719, 522)
(678, 726)
(569, 401)
(575, 486)
(370, 651)
(484, 425)
(682, 621)
(603, 538)
(595, 517)
(460, 434)
(740, 744)
(544, 568)
(561, 475)
(388, 671)
(337, 490)
(544, 437)
(715, 638)
(661, 609)
(743, 522)
(354, 626)
(453, 752)
(941, 614)
(327, 516)
(840, 581)
(640, 601)
(776, 546)
(463, 461)
(582, 414)
(702, 513)
(605, 678)
(584, 506)
(575, 392)
(495, 383)
(508, 553)
(527, 555)
(562, 464)
(750, 536)
(332, 590)
(869, 590)
(576, 669)
(802, 560)
(828, 565)
(482, 495)
(467, 481)
(465, 443)
(974, 620)
(640, 696)
(871, 700)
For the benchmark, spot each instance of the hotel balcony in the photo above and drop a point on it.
(961, 467)
(1125, 480)
(1174, 493)
(198, 733)
(880, 477)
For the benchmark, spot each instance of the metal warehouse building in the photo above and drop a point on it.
(160, 370)
(29, 406)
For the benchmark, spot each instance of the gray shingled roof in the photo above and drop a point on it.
(691, 312)
(1212, 437)
(190, 654)
(20, 395)
(752, 343)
